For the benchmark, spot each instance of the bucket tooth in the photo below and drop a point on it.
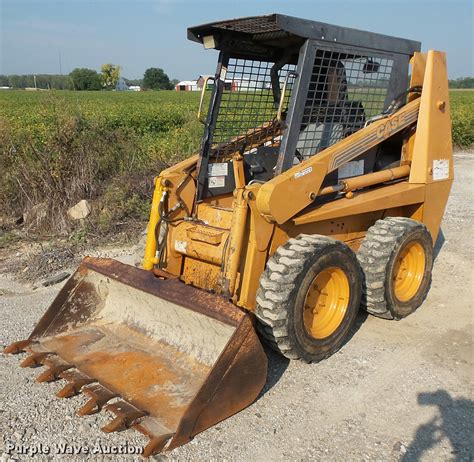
(16, 347)
(35, 359)
(98, 395)
(76, 380)
(156, 444)
(55, 366)
(126, 415)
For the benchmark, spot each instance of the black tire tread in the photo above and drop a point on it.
(277, 285)
(374, 254)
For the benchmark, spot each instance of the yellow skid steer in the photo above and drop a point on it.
(323, 175)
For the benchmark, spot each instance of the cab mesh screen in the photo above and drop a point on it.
(345, 91)
(249, 104)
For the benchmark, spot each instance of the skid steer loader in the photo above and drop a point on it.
(322, 178)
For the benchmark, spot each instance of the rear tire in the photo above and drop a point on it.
(309, 297)
(396, 258)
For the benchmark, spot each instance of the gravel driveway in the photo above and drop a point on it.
(396, 391)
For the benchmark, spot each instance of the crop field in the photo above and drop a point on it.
(462, 113)
(59, 147)
(153, 115)
(149, 115)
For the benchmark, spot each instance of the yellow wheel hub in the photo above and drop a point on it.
(326, 302)
(409, 271)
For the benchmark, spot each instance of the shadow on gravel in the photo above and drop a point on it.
(438, 244)
(362, 315)
(277, 364)
(454, 421)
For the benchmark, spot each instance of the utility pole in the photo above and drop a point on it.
(34, 78)
(60, 66)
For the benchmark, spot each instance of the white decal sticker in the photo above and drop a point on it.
(223, 73)
(303, 172)
(217, 169)
(354, 168)
(440, 169)
(180, 246)
(216, 181)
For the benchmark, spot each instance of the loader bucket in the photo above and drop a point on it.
(169, 359)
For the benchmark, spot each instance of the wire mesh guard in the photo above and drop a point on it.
(249, 104)
(345, 91)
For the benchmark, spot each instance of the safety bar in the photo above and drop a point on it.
(283, 94)
(203, 91)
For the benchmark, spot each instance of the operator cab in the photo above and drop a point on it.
(286, 88)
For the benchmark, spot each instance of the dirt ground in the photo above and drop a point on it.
(396, 391)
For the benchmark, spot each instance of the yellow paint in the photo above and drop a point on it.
(235, 244)
(226, 247)
(433, 132)
(199, 241)
(326, 303)
(408, 271)
(304, 180)
(150, 259)
(381, 198)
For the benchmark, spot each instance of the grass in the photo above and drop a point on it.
(462, 114)
(59, 147)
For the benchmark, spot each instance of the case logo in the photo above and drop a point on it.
(390, 127)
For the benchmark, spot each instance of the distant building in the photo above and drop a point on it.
(187, 85)
(196, 85)
(236, 84)
(135, 88)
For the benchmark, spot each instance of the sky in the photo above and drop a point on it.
(37, 35)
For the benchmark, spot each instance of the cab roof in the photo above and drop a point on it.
(277, 31)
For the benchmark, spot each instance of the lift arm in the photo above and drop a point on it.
(287, 194)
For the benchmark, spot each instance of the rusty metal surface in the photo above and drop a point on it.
(166, 359)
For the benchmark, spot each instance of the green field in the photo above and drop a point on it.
(148, 115)
(151, 115)
(61, 146)
(462, 114)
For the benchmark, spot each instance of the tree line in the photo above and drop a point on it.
(462, 82)
(83, 79)
(154, 78)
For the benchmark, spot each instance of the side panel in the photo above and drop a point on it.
(432, 159)
(382, 198)
(433, 134)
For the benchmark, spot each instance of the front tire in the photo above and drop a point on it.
(309, 297)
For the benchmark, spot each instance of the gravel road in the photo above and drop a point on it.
(396, 391)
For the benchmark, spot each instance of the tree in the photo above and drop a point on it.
(462, 82)
(110, 75)
(156, 79)
(85, 79)
(137, 82)
(21, 81)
